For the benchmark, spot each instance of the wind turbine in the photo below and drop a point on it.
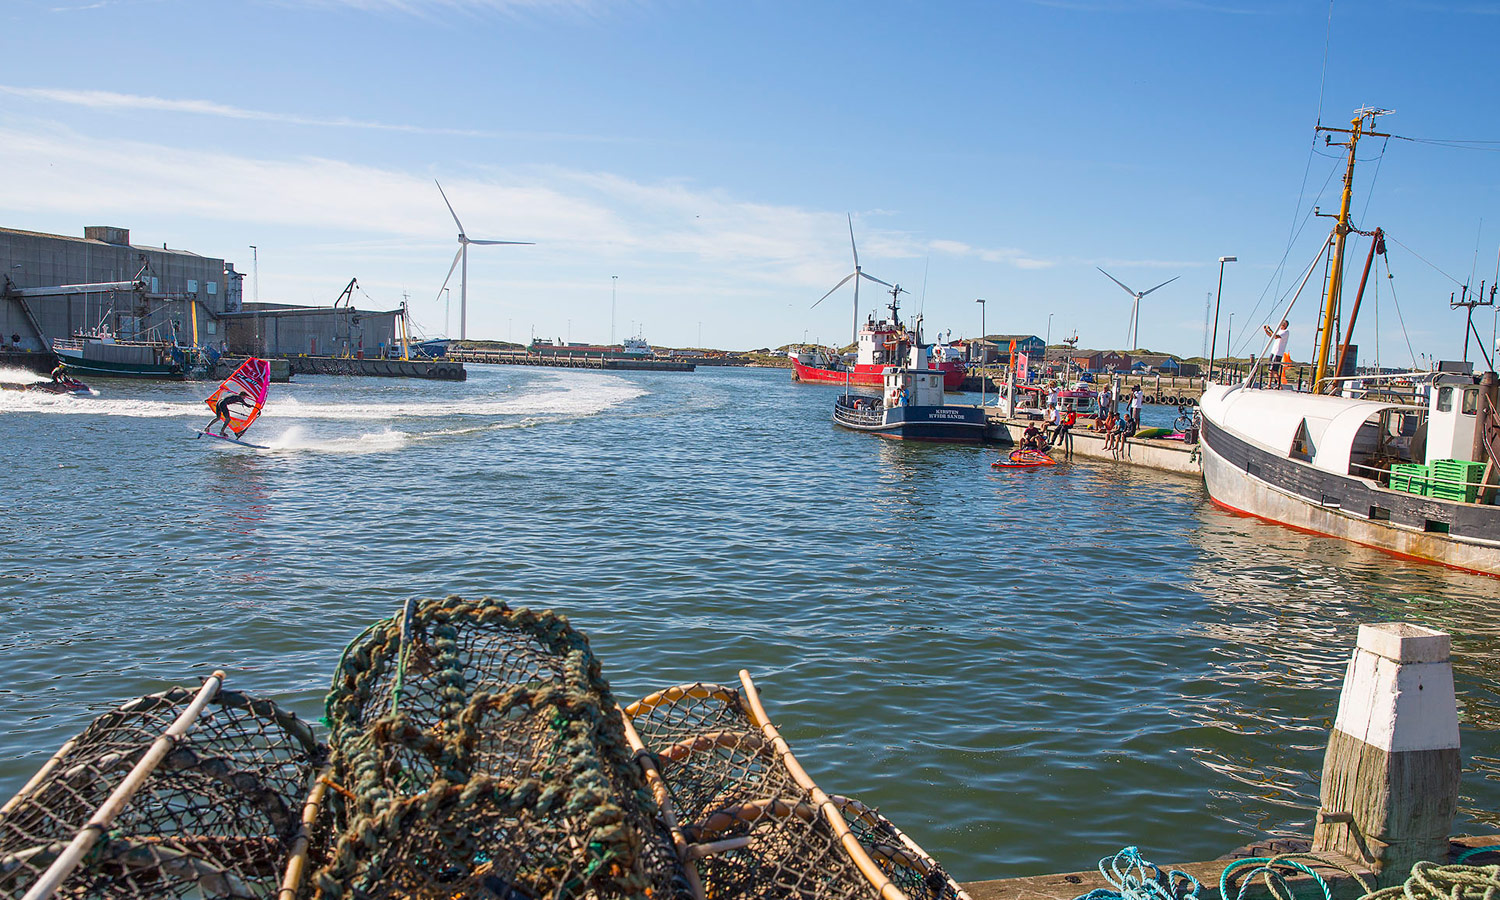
(1134, 336)
(463, 256)
(857, 274)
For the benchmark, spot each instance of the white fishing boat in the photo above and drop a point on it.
(1415, 478)
(910, 406)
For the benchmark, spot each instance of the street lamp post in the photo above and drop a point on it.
(1229, 339)
(613, 281)
(255, 271)
(1213, 347)
(983, 354)
(1048, 342)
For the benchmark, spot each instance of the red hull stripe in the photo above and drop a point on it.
(1396, 553)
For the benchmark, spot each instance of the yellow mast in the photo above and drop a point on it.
(1357, 129)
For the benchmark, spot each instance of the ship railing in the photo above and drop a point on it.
(873, 415)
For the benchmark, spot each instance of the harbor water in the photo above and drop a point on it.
(1024, 669)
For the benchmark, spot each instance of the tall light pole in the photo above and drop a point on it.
(255, 271)
(982, 350)
(1049, 335)
(1229, 338)
(1213, 347)
(613, 281)
(447, 311)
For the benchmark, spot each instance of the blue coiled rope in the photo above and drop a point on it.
(1135, 878)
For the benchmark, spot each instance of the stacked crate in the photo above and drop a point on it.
(1413, 478)
(1455, 479)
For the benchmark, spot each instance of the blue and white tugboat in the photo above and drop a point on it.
(910, 406)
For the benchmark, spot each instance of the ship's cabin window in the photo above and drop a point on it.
(1445, 399)
(1471, 401)
(1302, 446)
(1390, 436)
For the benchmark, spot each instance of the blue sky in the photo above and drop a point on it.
(707, 154)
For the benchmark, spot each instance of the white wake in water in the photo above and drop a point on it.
(296, 438)
(12, 375)
(565, 396)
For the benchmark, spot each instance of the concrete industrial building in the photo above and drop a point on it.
(57, 286)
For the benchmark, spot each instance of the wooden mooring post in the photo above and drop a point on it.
(1390, 778)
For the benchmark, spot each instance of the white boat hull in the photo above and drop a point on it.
(1239, 491)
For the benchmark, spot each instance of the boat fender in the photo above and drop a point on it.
(1190, 401)
(1150, 398)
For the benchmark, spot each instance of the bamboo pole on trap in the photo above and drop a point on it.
(99, 822)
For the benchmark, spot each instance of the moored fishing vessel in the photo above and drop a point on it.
(877, 344)
(910, 406)
(632, 348)
(1415, 479)
(104, 354)
(880, 344)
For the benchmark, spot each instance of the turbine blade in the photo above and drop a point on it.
(450, 208)
(1163, 284)
(834, 288)
(877, 280)
(531, 243)
(1119, 282)
(851, 241)
(456, 257)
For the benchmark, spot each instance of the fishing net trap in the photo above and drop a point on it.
(474, 751)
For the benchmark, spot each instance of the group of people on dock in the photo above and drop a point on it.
(1059, 419)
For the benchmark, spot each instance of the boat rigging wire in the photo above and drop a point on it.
(1424, 259)
(1323, 79)
(1397, 303)
(1451, 144)
(1276, 276)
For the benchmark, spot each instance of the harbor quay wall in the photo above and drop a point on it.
(1165, 389)
(567, 361)
(1167, 456)
(434, 369)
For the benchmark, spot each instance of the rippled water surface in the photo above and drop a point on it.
(1025, 670)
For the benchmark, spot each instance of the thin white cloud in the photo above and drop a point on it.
(113, 101)
(434, 9)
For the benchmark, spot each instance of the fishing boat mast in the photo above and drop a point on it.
(1359, 126)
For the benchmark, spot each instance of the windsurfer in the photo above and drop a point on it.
(221, 411)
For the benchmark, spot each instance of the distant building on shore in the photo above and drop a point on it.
(59, 286)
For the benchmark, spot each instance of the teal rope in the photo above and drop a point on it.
(1135, 878)
(1473, 852)
(1276, 881)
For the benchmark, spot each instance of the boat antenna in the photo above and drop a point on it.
(922, 303)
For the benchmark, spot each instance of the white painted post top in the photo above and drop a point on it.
(1403, 642)
(1398, 692)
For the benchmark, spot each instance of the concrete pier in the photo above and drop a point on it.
(433, 369)
(560, 361)
(1151, 453)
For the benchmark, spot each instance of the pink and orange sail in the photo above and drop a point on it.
(252, 378)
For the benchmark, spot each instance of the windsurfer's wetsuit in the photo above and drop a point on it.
(221, 411)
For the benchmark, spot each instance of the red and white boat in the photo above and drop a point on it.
(880, 344)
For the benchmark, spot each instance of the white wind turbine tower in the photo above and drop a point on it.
(857, 274)
(1134, 337)
(463, 256)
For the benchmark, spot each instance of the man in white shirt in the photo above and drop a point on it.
(1278, 350)
(1137, 400)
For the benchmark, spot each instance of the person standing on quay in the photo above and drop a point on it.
(1137, 400)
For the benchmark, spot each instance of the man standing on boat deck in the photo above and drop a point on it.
(1278, 350)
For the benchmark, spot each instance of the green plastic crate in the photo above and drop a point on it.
(1409, 477)
(1455, 479)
